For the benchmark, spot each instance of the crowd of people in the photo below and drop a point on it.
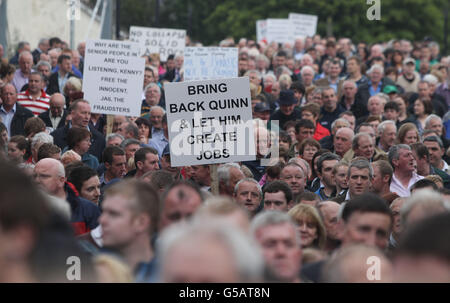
(356, 136)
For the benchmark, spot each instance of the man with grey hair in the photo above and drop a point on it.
(114, 139)
(152, 97)
(402, 161)
(327, 142)
(43, 47)
(307, 73)
(436, 150)
(349, 265)
(248, 194)
(203, 251)
(387, 130)
(435, 123)
(21, 47)
(363, 145)
(360, 176)
(342, 141)
(369, 89)
(49, 174)
(36, 142)
(229, 174)
(279, 240)
(23, 72)
(422, 204)
(328, 211)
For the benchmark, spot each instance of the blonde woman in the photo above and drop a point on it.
(310, 225)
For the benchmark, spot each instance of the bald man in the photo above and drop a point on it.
(56, 116)
(49, 174)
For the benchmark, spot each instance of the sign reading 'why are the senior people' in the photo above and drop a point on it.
(163, 41)
(208, 63)
(113, 77)
(210, 121)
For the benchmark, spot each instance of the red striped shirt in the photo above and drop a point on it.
(38, 106)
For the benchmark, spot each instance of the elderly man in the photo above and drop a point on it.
(49, 174)
(203, 251)
(295, 177)
(23, 73)
(307, 73)
(375, 107)
(43, 47)
(360, 177)
(387, 130)
(13, 115)
(342, 141)
(347, 100)
(363, 145)
(328, 211)
(35, 98)
(374, 86)
(56, 116)
(248, 194)
(434, 122)
(402, 161)
(229, 175)
(81, 114)
(152, 97)
(279, 240)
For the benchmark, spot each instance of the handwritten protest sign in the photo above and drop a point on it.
(164, 41)
(203, 63)
(261, 30)
(210, 122)
(279, 30)
(113, 77)
(304, 25)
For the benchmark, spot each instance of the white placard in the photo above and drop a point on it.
(164, 41)
(210, 121)
(113, 77)
(280, 30)
(304, 25)
(208, 63)
(261, 30)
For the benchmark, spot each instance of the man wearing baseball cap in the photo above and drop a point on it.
(409, 78)
(262, 111)
(287, 111)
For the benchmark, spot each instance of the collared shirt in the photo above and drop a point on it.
(372, 91)
(19, 79)
(55, 120)
(347, 196)
(444, 91)
(158, 143)
(398, 188)
(333, 85)
(62, 81)
(38, 106)
(7, 117)
(446, 167)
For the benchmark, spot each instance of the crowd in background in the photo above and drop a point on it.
(356, 136)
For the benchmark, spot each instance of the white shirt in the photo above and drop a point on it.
(7, 118)
(399, 189)
(446, 167)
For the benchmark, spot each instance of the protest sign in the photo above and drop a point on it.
(304, 25)
(207, 63)
(113, 77)
(279, 30)
(163, 41)
(261, 30)
(210, 121)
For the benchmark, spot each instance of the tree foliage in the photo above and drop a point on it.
(210, 21)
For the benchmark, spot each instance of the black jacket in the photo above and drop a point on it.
(97, 146)
(18, 121)
(53, 86)
(45, 116)
(363, 95)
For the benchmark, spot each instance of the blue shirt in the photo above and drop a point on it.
(373, 92)
(7, 118)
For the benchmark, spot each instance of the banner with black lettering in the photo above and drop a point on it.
(113, 77)
(210, 121)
